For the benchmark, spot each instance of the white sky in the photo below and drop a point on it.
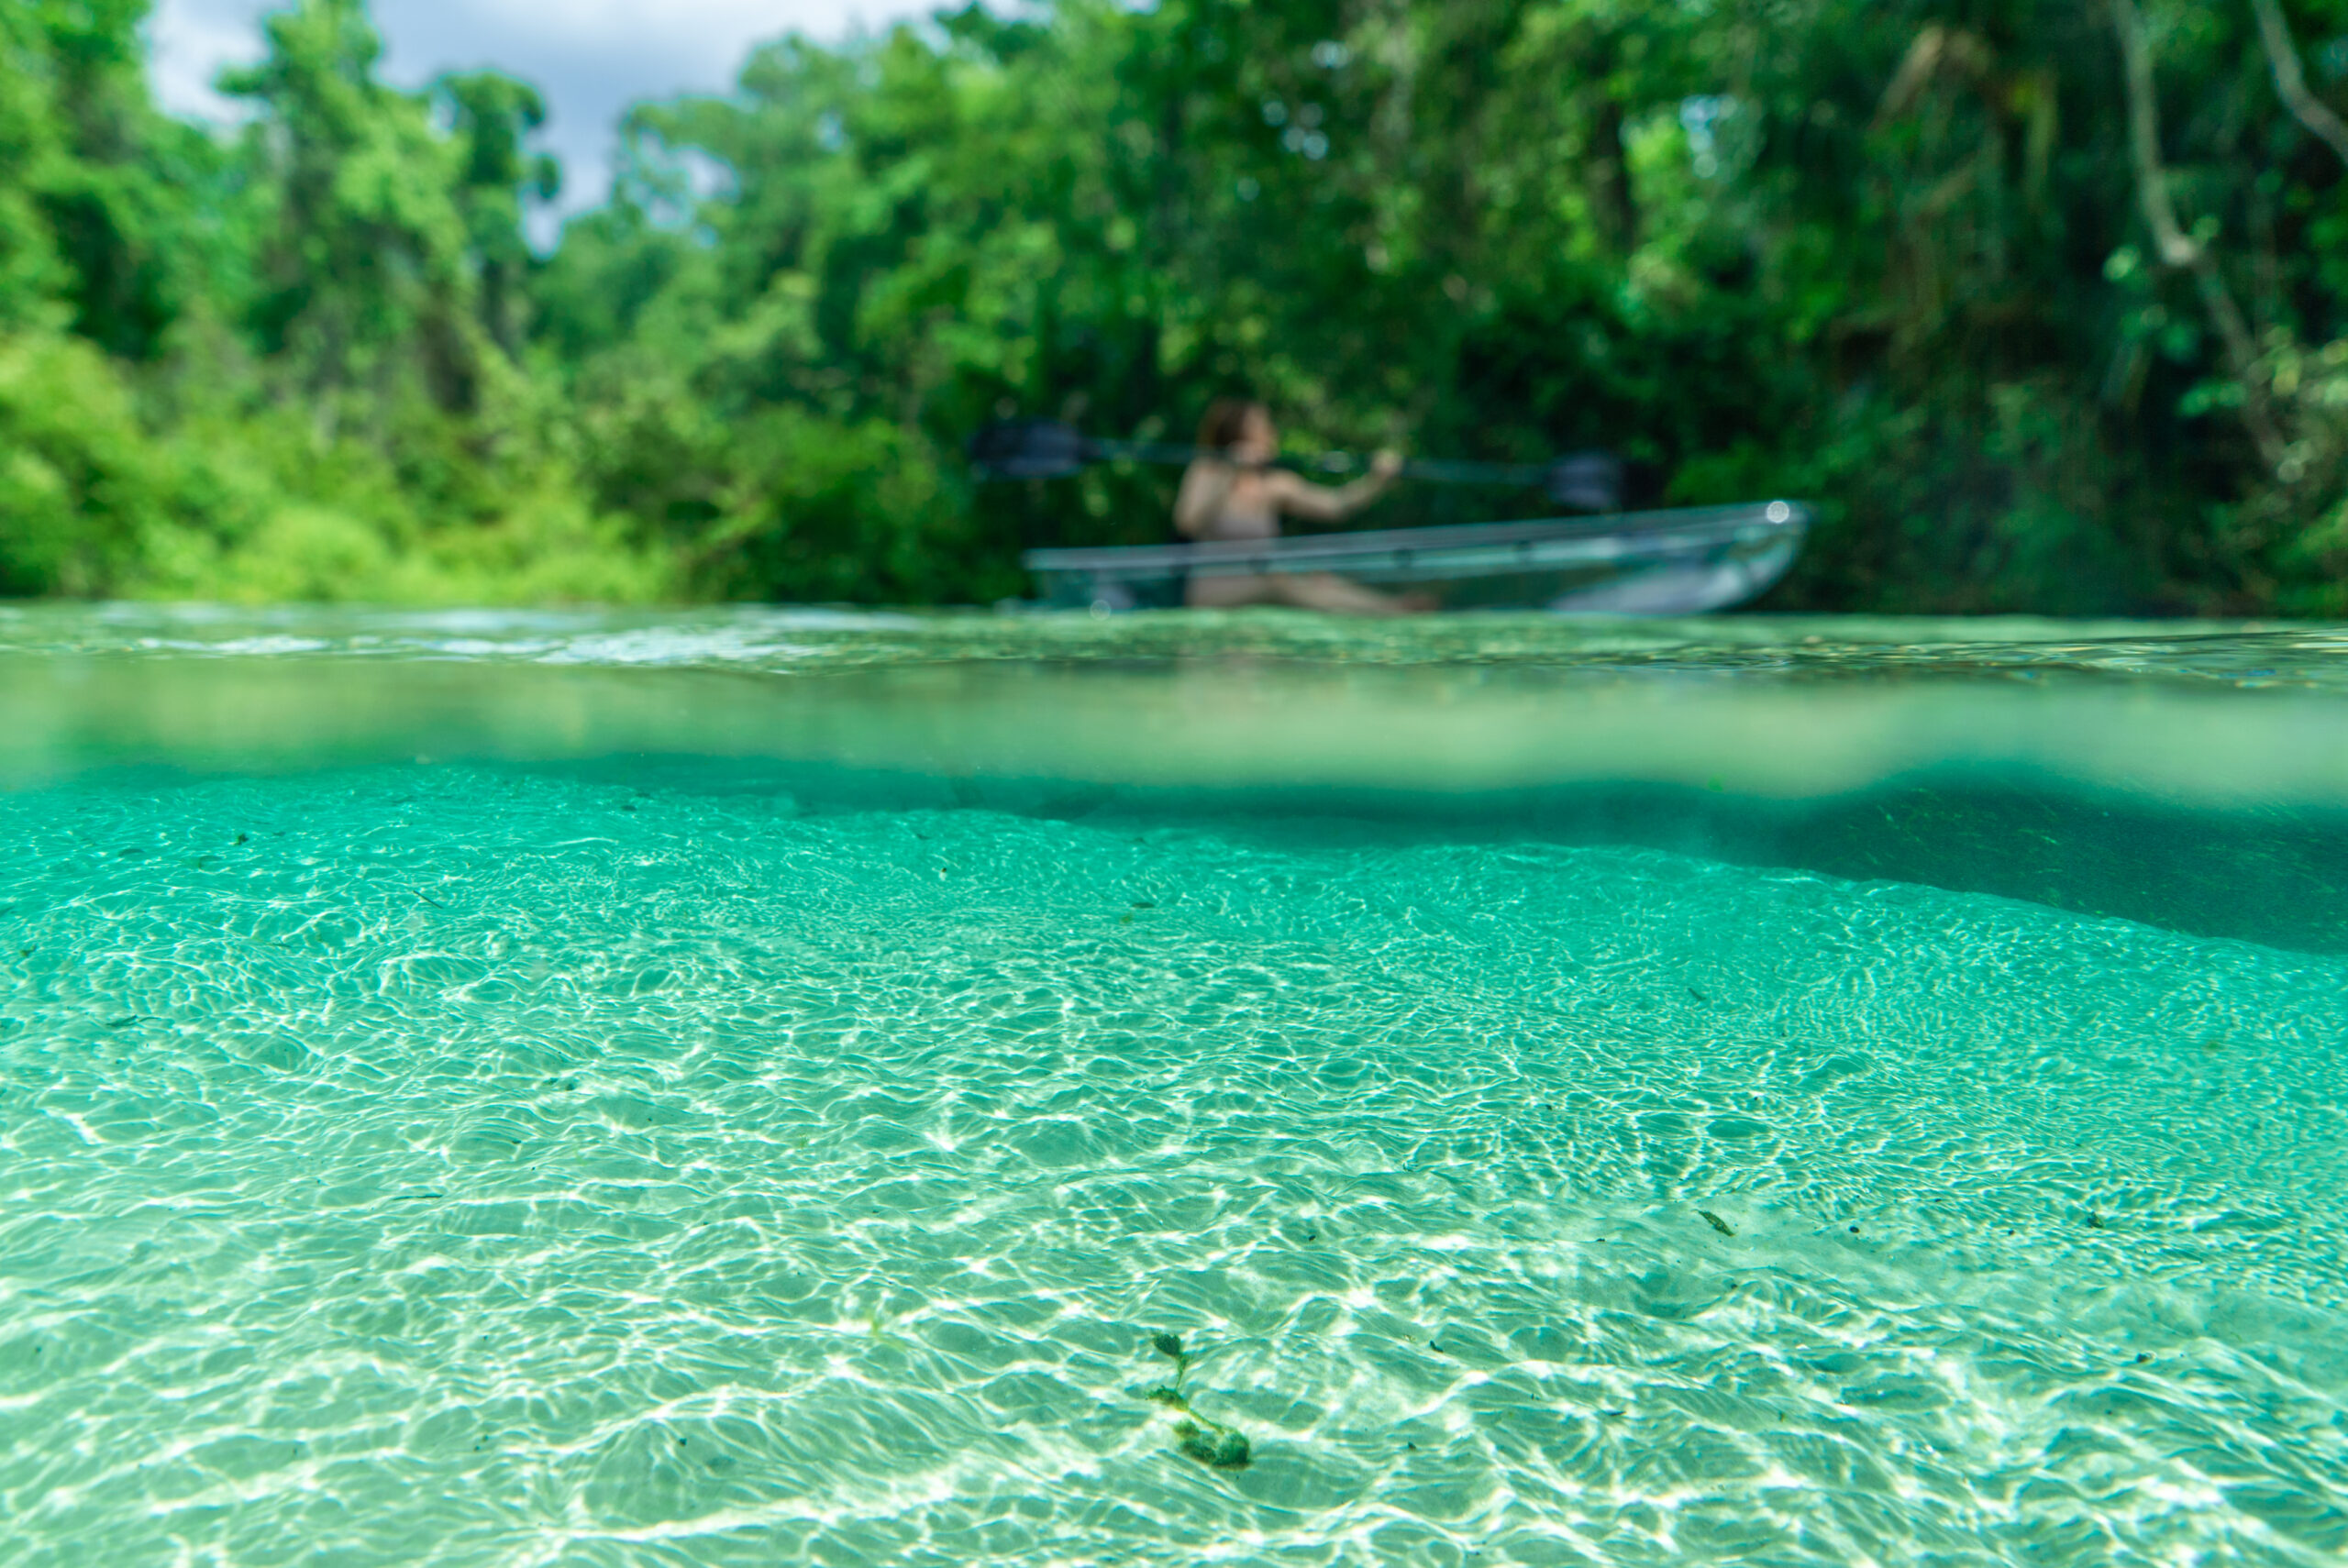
(591, 58)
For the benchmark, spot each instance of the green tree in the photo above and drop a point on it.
(362, 270)
(492, 115)
(30, 156)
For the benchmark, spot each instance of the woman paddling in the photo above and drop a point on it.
(1237, 494)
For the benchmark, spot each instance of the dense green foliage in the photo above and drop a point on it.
(2044, 303)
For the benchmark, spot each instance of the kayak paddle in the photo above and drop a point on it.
(1047, 449)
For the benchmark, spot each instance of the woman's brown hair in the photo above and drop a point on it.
(1226, 422)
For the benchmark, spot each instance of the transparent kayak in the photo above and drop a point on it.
(1642, 563)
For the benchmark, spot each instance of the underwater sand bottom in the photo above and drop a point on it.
(417, 1165)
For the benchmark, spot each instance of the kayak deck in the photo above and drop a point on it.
(1652, 563)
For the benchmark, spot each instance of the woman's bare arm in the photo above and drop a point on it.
(1206, 485)
(1326, 503)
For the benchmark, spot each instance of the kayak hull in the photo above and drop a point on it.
(1655, 563)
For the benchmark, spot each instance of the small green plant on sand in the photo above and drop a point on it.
(1195, 1437)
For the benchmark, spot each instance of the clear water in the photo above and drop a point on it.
(749, 1088)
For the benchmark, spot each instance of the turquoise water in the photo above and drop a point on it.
(750, 1089)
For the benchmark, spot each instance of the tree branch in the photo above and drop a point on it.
(2291, 82)
(2145, 138)
(2179, 250)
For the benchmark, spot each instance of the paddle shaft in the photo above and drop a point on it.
(1442, 470)
(1044, 449)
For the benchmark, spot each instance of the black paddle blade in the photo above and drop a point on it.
(1587, 481)
(1029, 448)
